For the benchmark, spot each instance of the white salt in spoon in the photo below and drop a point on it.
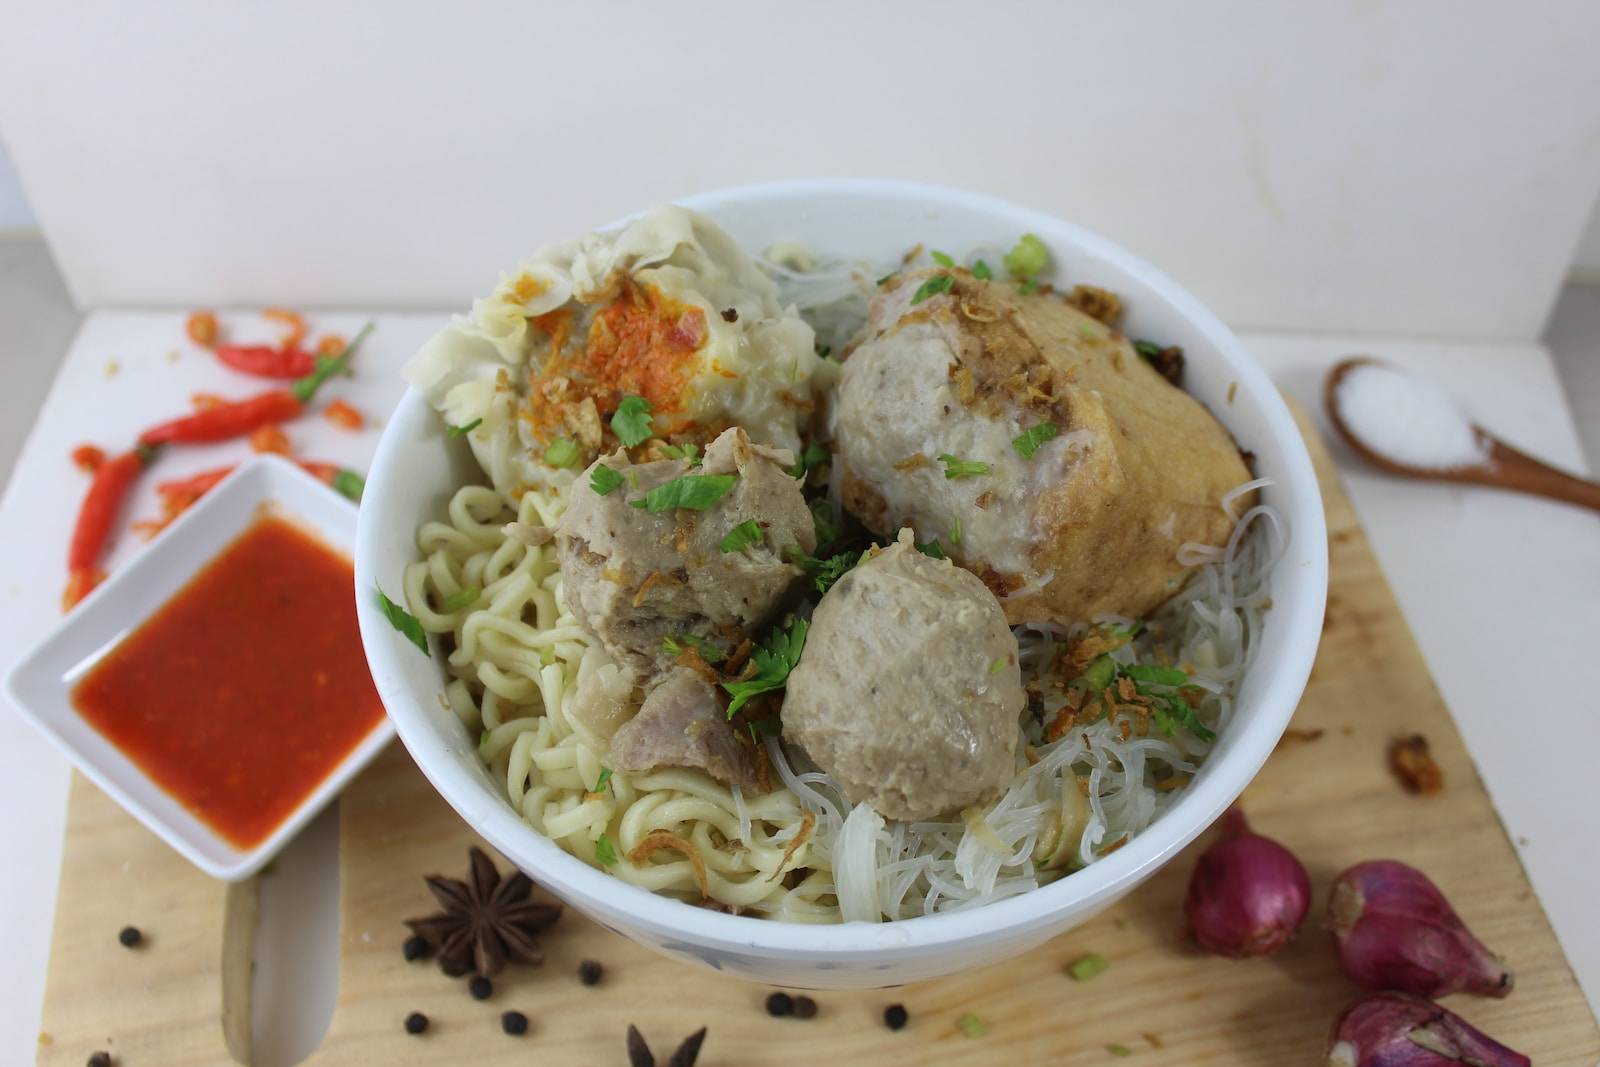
(1410, 426)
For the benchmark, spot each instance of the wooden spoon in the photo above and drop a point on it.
(1502, 468)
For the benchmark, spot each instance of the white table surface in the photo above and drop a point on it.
(1503, 594)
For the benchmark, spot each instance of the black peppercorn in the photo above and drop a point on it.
(416, 1023)
(589, 972)
(415, 948)
(895, 1016)
(805, 1008)
(480, 988)
(99, 1059)
(780, 1004)
(130, 936)
(514, 1023)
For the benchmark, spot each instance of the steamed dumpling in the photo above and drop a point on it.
(668, 308)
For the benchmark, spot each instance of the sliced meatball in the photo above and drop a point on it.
(909, 691)
(682, 723)
(634, 578)
(1121, 467)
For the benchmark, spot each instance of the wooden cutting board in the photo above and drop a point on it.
(1332, 800)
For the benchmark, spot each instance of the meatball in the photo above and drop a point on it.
(682, 723)
(909, 691)
(1122, 467)
(634, 577)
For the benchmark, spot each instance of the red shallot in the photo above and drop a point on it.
(1395, 1030)
(1395, 930)
(1248, 894)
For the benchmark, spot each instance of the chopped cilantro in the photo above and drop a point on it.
(981, 271)
(742, 536)
(1028, 286)
(404, 621)
(971, 1025)
(939, 283)
(1147, 349)
(955, 467)
(998, 665)
(605, 851)
(772, 661)
(464, 597)
(955, 533)
(760, 728)
(709, 651)
(1027, 257)
(631, 422)
(826, 571)
(462, 431)
(933, 549)
(604, 479)
(696, 492)
(1087, 967)
(690, 452)
(828, 528)
(1032, 439)
(601, 783)
(942, 259)
(563, 452)
(814, 455)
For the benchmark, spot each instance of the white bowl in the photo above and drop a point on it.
(417, 469)
(41, 684)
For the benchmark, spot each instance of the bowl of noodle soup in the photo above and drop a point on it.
(806, 889)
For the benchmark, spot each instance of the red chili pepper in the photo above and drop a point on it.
(88, 458)
(264, 361)
(238, 418)
(95, 516)
(195, 485)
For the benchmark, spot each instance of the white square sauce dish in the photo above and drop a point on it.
(215, 687)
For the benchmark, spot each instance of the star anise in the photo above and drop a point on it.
(639, 1054)
(486, 920)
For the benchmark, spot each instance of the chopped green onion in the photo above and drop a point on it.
(349, 484)
(1119, 1050)
(1032, 439)
(696, 492)
(563, 452)
(939, 283)
(690, 452)
(1027, 257)
(1101, 673)
(1147, 349)
(631, 421)
(773, 661)
(462, 431)
(404, 621)
(604, 479)
(742, 536)
(932, 549)
(1028, 286)
(981, 271)
(955, 533)
(971, 1025)
(998, 665)
(942, 259)
(483, 738)
(814, 455)
(464, 597)
(956, 467)
(603, 782)
(605, 851)
(709, 651)
(1087, 967)
(1149, 672)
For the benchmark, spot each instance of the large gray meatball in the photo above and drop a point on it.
(909, 690)
(634, 577)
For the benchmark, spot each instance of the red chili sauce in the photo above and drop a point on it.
(246, 689)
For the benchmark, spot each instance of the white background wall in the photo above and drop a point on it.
(1407, 167)
(14, 211)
